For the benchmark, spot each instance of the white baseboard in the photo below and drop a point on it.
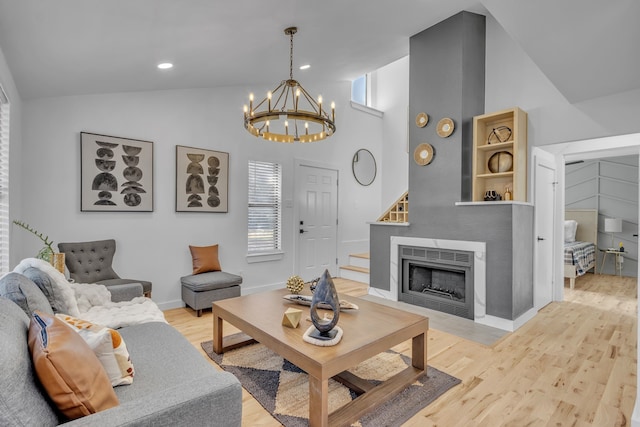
(487, 320)
(382, 294)
(505, 324)
(244, 291)
(262, 288)
(171, 304)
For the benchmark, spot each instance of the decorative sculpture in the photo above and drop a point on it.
(295, 284)
(291, 318)
(325, 293)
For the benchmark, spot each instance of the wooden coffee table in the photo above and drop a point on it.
(372, 329)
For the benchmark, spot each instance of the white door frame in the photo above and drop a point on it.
(612, 146)
(296, 210)
(538, 156)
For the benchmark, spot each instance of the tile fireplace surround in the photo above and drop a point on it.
(479, 278)
(479, 271)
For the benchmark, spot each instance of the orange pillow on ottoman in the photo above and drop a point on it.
(205, 258)
(68, 369)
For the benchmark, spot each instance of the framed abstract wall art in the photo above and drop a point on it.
(116, 174)
(202, 180)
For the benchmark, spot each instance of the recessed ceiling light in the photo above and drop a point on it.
(305, 67)
(165, 65)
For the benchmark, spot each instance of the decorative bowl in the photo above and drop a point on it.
(502, 161)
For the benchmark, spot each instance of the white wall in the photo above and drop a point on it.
(15, 157)
(358, 204)
(393, 99)
(513, 79)
(154, 246)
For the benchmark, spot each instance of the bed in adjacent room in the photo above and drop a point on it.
(580, 242)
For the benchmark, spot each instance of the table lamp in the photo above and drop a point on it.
(612, 225)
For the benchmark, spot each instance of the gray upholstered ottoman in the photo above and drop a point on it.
(200, 290)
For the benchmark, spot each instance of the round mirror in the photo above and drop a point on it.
(364, 167)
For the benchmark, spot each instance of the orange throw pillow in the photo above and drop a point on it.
(68, 369)
(205, 258)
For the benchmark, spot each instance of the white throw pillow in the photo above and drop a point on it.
(570, 228)
(108, 346)
(62, 288)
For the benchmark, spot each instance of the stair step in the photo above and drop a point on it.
(359, 260)
(355, 268)
(357, 274)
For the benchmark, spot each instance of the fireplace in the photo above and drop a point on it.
(477, 252)
(438, 279)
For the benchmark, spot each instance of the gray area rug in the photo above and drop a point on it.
(283, 389)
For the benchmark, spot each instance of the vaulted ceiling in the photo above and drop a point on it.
(587, 48)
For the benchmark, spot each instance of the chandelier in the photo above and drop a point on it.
(288, 113)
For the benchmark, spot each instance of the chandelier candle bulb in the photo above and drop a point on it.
(320, 105)
(269, 98)
(251, 103)
(286, 127)
(333, 111)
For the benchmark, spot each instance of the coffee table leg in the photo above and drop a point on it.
(217, 333)
(419, 351)
(318, 402)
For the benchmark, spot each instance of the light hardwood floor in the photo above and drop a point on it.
(574, 364)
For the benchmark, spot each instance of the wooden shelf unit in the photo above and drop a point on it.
(516, 179)
(398, 212)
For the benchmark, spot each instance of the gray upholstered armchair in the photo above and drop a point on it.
(90, 262)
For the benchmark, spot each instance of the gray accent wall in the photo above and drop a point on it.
(443, 83)
(447, 77)
(609, 185)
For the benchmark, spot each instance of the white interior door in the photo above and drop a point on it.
(317, 202)
(543, 264)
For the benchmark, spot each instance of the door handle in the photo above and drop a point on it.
(540, 238)
(303, 231)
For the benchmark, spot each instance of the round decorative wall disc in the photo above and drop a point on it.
(423, 154)
(445, 127)
(422, 119)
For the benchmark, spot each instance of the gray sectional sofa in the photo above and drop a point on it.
(173, 384)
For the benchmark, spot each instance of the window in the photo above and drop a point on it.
(265, 212)
(364, 94)
(359, 90)
(4, 182)
(363, 90)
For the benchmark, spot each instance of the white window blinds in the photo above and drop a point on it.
(264, 218)
(4, 183)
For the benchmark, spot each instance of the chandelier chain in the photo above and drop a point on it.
(291, 56)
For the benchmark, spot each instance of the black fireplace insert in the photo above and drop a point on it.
(439, 279)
